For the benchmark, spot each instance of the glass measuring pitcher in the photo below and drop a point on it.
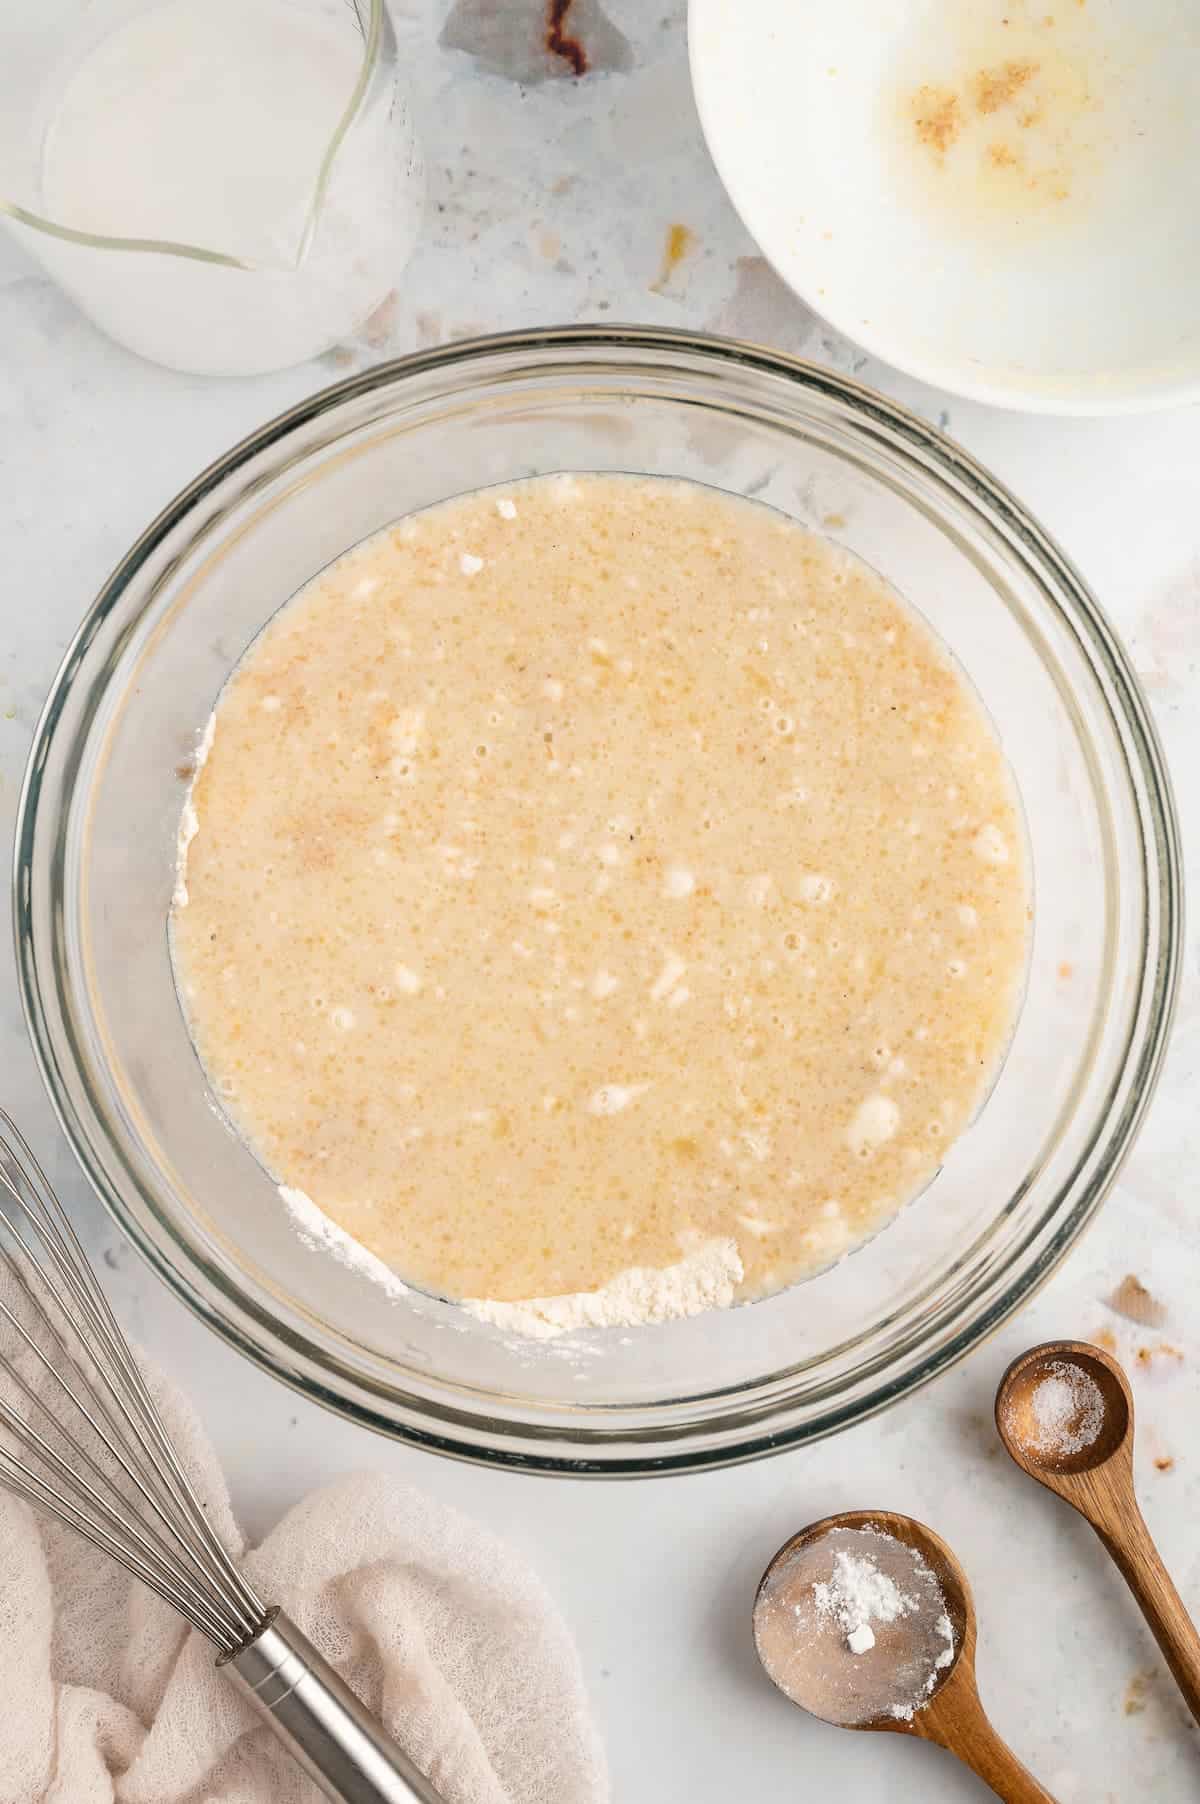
(221, 185)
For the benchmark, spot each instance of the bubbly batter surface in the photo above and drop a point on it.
(593, 868)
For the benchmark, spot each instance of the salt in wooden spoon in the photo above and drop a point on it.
(918, 1678)
(1065, 1414)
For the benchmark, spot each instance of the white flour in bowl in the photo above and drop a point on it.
(706, 1278)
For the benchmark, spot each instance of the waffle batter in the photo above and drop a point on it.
(595, 875)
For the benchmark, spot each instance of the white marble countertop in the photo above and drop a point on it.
(552, 200)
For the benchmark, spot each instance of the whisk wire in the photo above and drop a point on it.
(114, 1508)
(81, 1440)
(117, 1377)
(27, 1483)
(176, 1552)
(113, 1360)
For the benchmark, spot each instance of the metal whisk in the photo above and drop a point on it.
(81, 1439)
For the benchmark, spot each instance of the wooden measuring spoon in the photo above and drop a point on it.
(1087, 1459)
(918, 1678)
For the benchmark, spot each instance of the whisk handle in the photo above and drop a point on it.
(328, 1732)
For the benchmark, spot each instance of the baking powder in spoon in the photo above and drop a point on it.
(854, 1626)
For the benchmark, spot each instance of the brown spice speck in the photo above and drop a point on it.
(1135, 1692)
(560, 41)
(994, 88)
(938, 117)
(680, 241)
(1164, 1464)
(1132, 1300)
(1148, 1356)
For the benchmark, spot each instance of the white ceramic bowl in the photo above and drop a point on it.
(1001, 197)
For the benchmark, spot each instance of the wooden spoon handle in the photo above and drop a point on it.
(1132, 1547)
(963, 1728)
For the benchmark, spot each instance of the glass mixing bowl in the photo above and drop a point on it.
(95, 868)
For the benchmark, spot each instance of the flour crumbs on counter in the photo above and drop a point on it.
(603, 899)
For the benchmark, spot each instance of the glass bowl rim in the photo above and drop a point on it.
(658, 1449)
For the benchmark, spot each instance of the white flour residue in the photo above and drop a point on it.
(858, 1594)
(189, 820)
(189, 826)
(706, 1278)
(854, 1624)
(611, 1099)
(324, 1236)
(943, 1630)
(1068, 1410)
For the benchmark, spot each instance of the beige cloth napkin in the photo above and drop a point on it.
(107, 1698)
